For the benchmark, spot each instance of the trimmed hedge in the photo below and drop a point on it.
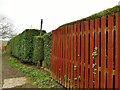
(38, 52)
(47, 49)
(21, 46)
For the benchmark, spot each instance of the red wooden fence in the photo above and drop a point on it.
(86, 54)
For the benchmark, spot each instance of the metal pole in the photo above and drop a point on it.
(41, 27)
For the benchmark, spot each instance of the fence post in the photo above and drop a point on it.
(117, 57)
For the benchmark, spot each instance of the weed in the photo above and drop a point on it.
(41, 78)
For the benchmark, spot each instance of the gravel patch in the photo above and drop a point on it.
(14, 82)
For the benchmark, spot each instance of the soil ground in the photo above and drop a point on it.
(9, 72)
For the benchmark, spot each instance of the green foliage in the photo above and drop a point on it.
(21, 46)
(47, 49)
(109, 11)
(38, 52)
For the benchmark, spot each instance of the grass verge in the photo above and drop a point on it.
(40, 77)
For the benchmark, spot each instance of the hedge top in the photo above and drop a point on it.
(109, 11)
(31, 30)
(28, 30)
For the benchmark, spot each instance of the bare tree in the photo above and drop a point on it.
(119, 3)
(6, 28)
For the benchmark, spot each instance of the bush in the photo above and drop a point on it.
(38, 52)
(21, 46)
(47, 49)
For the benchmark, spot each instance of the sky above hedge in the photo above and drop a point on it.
(54, 13)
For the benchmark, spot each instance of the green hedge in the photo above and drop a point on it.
(109, 11)
(47, 49)
(38, 52)
(21, 46)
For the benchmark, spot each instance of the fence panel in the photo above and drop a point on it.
(85, 54)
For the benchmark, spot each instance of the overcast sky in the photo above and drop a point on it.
(54, 13)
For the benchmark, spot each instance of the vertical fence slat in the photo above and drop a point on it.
(59, 53)
(72, 56)
(97, 23)
(110, 52)
(103, 52)
(66, 57)
(52, 55)
(86, 57)
(79, 69)
(69, 53)
(56, 55)
(75, 61)
(64, 46)
(117, 57)
(62, 68)
(82, 54)
(55, 59)
(61, 60)
(91, 51)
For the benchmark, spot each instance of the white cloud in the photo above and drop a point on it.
(54, 12)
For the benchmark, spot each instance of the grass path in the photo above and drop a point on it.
(10, 72)
(37, 78)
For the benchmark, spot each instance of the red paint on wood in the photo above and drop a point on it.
(64, 53)
(117, 57)
(60, 58)
(82, 55)
(86, 53)
(110, 52)
(59, 53)
(66, 78)
(63, 56)
(75, 58)
(71, 55)
(78, 55)
(91, 51)
(97, 23)
(52, 57)
(103, 52)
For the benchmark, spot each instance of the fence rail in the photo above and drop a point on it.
(86, 54)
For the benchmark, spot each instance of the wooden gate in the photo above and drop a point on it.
(86, 54)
